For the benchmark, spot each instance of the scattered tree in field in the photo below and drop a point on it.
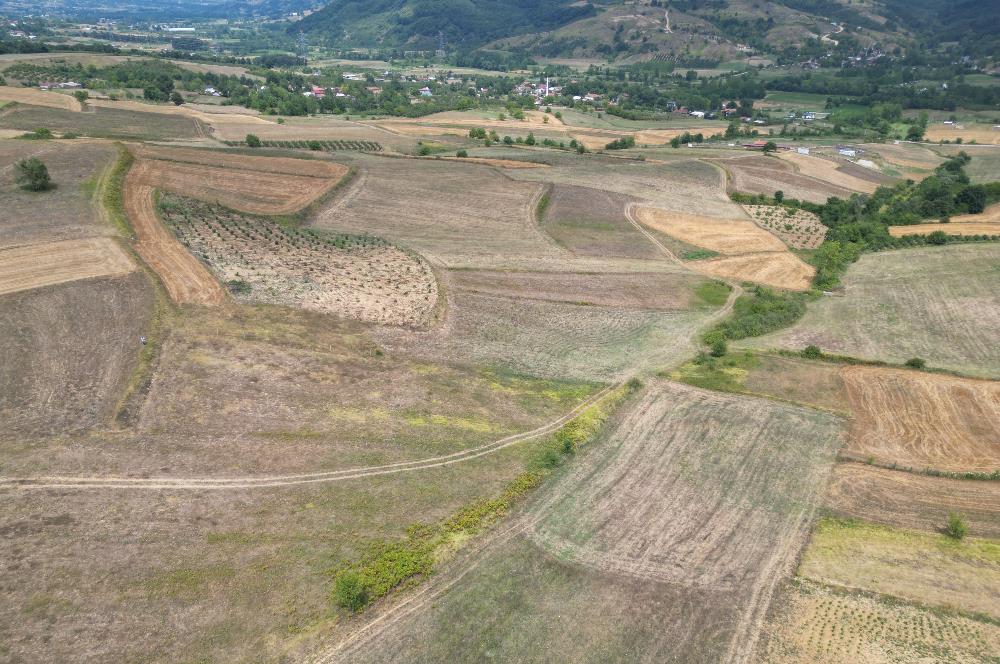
(812, 352)
(424, 150)
(350, 592)
(956, 527)
(252, 141)
(176, 98)
(770, 146)
(507, 140)
(779, 196)
(937, 237)
(719, 348)
(916, 363)
(315, 145)
(530, 140)
(32, 175)
(81, 95)
(462, 153)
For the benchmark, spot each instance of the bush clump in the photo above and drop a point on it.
(760, 311)
(252, 141)
(916, 363)
(956, 527)
(32, 175)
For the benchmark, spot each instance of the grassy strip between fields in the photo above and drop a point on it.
(398, 564)
(113, 191)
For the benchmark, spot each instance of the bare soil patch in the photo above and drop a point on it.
(912, 500)
(354, 276)
(39, 265)
(656, 291)
(797, 228)
(920, 420)
(814, 624)
(66, 353)
(186, 280)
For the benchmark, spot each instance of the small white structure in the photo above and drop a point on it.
(802, 150)
(847, 152)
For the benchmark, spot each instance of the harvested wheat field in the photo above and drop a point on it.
(459, 214)
(750, 253)
(907, 156)
(766, 175)
(39, 265)
(797, 228)
(252, 191)
(928, 568)
(920, 420)
(66, 354)
(912, 500)
(941, 304)
(817, 624)
(980, 133)
(779, 269)
(726, 236)
(985, 223)
(663, 541)
(37, 97)
(186, 280)
(827, 170)
(358, 277)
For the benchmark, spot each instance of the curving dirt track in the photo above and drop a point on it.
(921, 420)
(253, 191)
(38, 265)
(186, 280)
(911, 500)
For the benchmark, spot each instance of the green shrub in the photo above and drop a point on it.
(760, 311)
(937, 237)
(32, 175)
(252, 141)
(956, 527)
(349, 592)
(812, 352)
(424, 150)
(315, 145)
(916, 363)
(462, 153)
(719, 348)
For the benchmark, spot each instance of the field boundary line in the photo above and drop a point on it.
(157, 483)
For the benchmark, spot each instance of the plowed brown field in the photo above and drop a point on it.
(912, 500)
(920, 420)
(186, 280)
(251, 191)
(37, 265)
(751, 253)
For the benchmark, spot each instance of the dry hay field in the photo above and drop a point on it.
(248, 188)
(937, 303)
(985, 223)
(919, 420)
(458, 214)
(67, 212)
(45, 264)
(231, 575)
(684, 185)
(815, 624)
(663, 541)
(358, 277)
(980, 133)
(750, 253)
(928, 568)
(913, 160)
(757, 174)
(236, 127)
(66, 354)
(592, 222)
(797, 228)
(110, 122)
(828, 170)
(912, 500)
(554, 339)
(36, 97)
(658, 291)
